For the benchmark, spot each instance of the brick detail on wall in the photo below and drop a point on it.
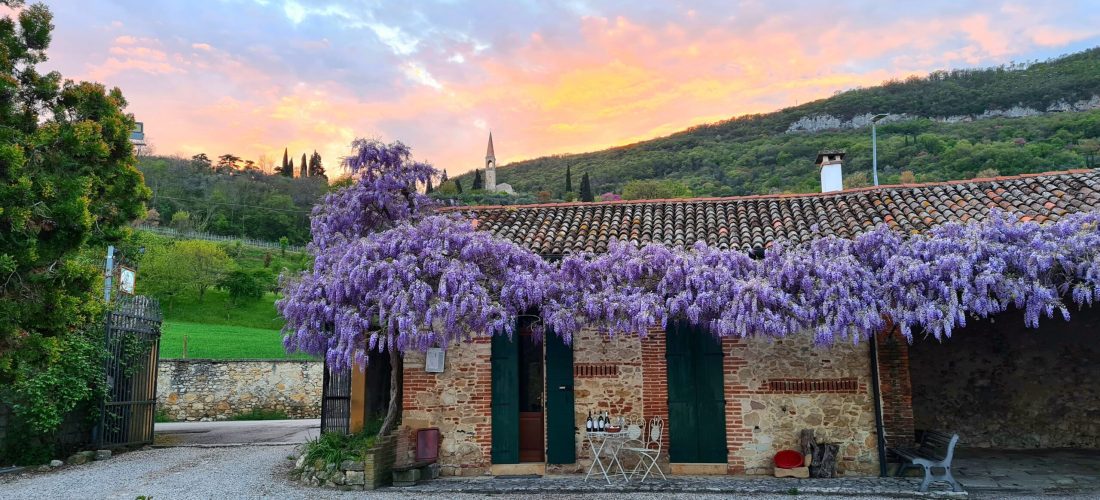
(457, 401)
(595, 370)
(806, 385)
(896, 387)
(655, 380)
(738, 435)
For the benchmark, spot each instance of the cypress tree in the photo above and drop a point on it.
(586, 189)
(444, 178)
(429, 188)
(287, 170)
(304, 167)
(478, 182)
(568, 180)
(458, 186)
(316, 168)
(290, 169)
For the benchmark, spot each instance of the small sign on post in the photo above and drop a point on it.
(126, 277)
(433, 362)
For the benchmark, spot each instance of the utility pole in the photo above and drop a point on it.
(874, 147)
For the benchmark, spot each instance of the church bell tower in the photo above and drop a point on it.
(490, 167)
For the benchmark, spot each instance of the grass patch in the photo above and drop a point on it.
(222, 342)
(334, 448)
(215, 310)
(261, 414)
(161, 416)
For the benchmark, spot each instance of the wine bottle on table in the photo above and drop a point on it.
(588, 424)
(599, 419)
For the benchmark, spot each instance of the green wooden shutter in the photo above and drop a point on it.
(696, 399)
(682, 425)
(561, 437)
(710, 400)
(504, 359)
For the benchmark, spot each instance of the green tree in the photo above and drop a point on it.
(242, 286)
(287, 168)
(201, 264)
(181, 220)
(586, 189)
(228, 162)
(655, 189)
(478, 182)
(568, 180)
(447, 188)
(316, 167)
(304, 167)
(159, 275)
(458, 185)
(201, 160)
(284, 242)
(68, 187)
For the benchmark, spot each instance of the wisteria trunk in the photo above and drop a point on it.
(393, 411)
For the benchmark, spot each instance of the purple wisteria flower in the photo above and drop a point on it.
(388, 274)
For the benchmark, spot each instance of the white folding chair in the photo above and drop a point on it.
(649, 451)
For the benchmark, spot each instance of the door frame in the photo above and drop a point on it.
(505, 409)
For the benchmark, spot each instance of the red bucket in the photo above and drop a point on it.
(788, 459)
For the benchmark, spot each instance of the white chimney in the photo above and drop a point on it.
(832, 173)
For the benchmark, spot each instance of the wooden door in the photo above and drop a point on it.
(696, 400)
(561, 436)
(504, 360)
(531, 444)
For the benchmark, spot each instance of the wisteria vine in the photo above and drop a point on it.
(390, 274)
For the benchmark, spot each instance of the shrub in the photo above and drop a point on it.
(334, 448)
(261, 414)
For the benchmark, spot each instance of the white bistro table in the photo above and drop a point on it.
(606, 445)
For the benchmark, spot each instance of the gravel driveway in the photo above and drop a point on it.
(252, 471)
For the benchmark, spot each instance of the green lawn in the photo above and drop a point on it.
(216, 330)
(214, 310)
(221, 342)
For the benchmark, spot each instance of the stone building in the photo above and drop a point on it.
(507, 406)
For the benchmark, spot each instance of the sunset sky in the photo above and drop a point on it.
(251, 77)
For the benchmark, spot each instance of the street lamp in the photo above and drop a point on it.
(874, 146)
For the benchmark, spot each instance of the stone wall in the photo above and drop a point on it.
(779, 387)
(202, 389)
(999, 384)
(456, 401)
(373, 471)
(774, 389)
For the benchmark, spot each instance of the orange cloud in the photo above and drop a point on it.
(617, 80)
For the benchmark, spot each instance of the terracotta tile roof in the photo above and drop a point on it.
(752, 222)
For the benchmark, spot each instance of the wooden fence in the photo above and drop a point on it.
(200, 235)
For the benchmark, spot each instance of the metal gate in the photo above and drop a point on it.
(133, 346)
(335, 400)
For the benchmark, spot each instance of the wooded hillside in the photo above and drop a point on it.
(758, 154)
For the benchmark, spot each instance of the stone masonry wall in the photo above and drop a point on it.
(456, 401)
(607, 376)
(202, 389)
(1001, 385)
(774, 389)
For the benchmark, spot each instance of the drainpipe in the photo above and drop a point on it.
(876, 391)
